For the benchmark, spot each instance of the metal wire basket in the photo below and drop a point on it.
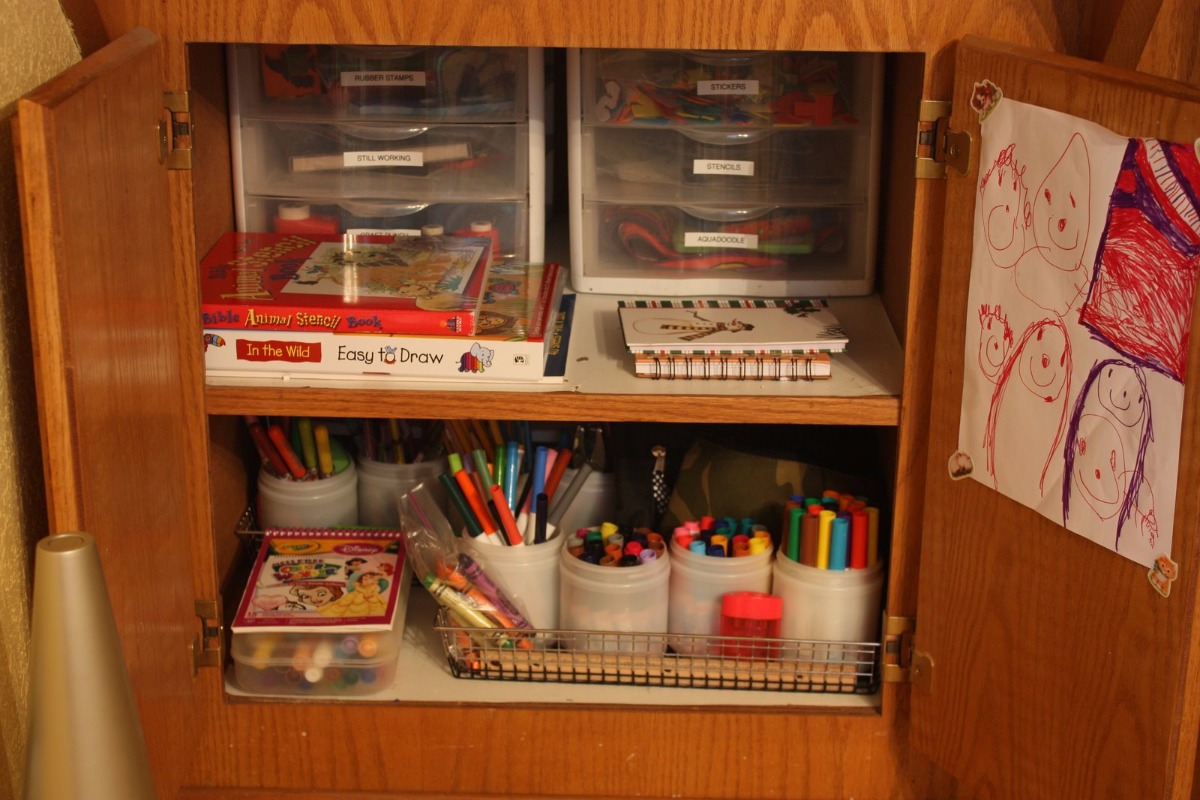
(658, 659)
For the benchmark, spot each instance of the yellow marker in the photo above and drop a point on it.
(759, 544)
(308, 446)
(825, 521)
(872, 536)
(397, 440)
(324, 452)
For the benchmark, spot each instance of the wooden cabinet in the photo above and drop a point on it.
(1056, 670)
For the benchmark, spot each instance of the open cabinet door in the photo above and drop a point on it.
(1055, 669)
(105, 321)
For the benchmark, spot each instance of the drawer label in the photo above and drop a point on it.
(382, 232)
(742, 241)
(727, 87)
(712, 166)
(384, 158)
(383, 78)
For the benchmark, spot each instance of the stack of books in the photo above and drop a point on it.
(731, 339)
(378, 306)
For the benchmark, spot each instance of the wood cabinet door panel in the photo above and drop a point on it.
(105, 322)
(1058, 670)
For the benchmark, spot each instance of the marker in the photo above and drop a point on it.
(266, 450)
(810, 534)
(460, 504)
(512, 465)
(479, 457)
(324, 450)
(793, 541)
(859, 534)
(824, 531)
(279, 439)
(839, 542)
(478, 507)
(872, 536)
(308, 446)
(504, 513)
(561, 462)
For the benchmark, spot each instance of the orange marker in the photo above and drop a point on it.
(561, 462)
(294, 465)
(478, 507)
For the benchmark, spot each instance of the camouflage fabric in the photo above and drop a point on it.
(716, 481)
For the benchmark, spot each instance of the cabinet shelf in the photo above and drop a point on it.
(423, 677)
(600, 385)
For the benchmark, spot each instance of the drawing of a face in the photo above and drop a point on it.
(1002, 206)
(1119, 391)
(1099, 465)
(1062, 207)
(1043, 362)
(995, 340)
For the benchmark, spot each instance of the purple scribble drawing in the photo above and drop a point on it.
(1140, 298)
(1105, 451)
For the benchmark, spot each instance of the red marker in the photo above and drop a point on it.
(858, 540)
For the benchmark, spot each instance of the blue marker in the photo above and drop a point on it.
(839, 542)
(512, 465)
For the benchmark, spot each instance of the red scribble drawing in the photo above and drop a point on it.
(1041, 366)
(1042, 236)
(1140, 297)
(1052, 274)
(1105, 450)
(995, 341)
(1004, 210)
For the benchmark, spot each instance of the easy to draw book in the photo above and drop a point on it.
(730, 326)
(340, 284)
(517, 324)
(348, 579)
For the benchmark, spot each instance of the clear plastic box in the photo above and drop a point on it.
(360, 159)
(322, 215)
(724, 173)
(673, 165)
(328, 662)
(699, 250)
(690, 88)
(424, 83)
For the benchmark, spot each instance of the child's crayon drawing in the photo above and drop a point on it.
(1085, 261)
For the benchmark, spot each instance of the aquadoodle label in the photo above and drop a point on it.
(383, 158)
(711, 166)
(727, 87)
(741, 241)
(383, 78)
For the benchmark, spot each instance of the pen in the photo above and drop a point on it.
(539, 529)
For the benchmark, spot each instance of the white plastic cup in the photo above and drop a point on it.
(698, 582)
(828, 605)
(616, 600)
(320, 503)
(528, 574)
(595, 503)
(381, 484)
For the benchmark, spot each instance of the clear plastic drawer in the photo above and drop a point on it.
(685, 250)
(423, 83)
(357, 159)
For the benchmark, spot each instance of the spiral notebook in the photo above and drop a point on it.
(738, 367)
(730, 327)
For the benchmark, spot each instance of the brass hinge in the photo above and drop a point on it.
(207, 646)
(175, 131)
(937, 144)
(902, 663)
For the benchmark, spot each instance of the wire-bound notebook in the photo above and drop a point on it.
(761, 367)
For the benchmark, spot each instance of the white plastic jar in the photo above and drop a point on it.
(320, 503)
